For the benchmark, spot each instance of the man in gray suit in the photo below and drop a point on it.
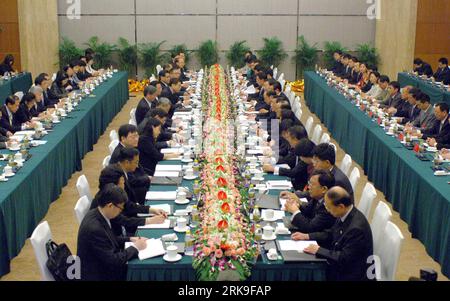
(426, 119)
(395, 97)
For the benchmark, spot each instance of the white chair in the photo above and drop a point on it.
(381, 216)
(53, 77)
(275, 72)
(389, 252)
(288, 91)
(113, 135)
(298, 113)
(281, 78)
(81, 208)
(298, 100)
(41, 235)
(335, 147)
(106, 161)
(294, 104)
(112, 146)
(283, 84)
(19, 94)
(152, 78)
(317, 134)
(159, 68)
(309, 125)
(346, 164)
(354, 178)
(133, 116)
(368, 196)
(325, 138)
(83, 187)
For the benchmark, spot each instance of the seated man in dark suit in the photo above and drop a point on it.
(3, 137)
(101, 252)
(443, 73)
(439, 135)
(395, 97)
(348, 245)
(276, 87)
(175, 95)
(139, 180)
(293, 136)
(337, 65)
(10, 121)
(146, 104)
(325, 159)
(422, 68)
(312, 216)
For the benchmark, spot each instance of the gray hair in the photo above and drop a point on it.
(164, 101)
(150, 90)
(36, 90)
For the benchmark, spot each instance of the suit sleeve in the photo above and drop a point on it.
(323, 238)
(319, 222)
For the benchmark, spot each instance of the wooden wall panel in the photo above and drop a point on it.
(9, 31)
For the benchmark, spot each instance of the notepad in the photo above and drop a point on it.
(161, 195)
(279, 185)
(154, 248)
(175, 159)
(255, 152)
(171, 151)
(160, 167)
(291, 245)
(170, 174)
(165, 225)
(166, 207)
(278, 214)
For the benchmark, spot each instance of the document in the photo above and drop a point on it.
(154, 248)
(291, 245)
(161, 167)
(161, 195)
(165, 225)
(170, 174)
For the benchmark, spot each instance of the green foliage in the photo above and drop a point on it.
(150, 56)
(208, 53)
(329, 49)
(128, 56)
(306, 56)
(235, 54)
(68, 51)
(272, 52)
(368, 54)
(103, 52)
(176, 49)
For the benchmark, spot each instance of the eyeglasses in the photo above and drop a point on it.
(121, 208)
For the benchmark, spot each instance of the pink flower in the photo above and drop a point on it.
(206, 251)
(240, 251)
(219, 253)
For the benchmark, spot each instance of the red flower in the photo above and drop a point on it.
(223, 224)
(220, 168)
(222, 182)
(225, 208)
(222, 195)
(225, 247)
(219, 160)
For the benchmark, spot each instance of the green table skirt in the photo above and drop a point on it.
(156, 269)
(422, 199)
(25, 198)
(20, 83)
(436, 94)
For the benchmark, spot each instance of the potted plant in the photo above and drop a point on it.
(103, 52)
(306, 56)
(235, 54)
(150, 56)
(368, 54)
(208, 53)
(176, 49)
(128, 56)
(272, 52)
(68, 51)
(329, 49)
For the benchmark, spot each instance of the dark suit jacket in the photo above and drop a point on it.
(425, 69)
(313, 217)
(149, 154)
(5, 68)
(346, 246)
(142, 109)
(342, 180)
(102, 255)
(3, 138)
(138, 180)
(337, 67)
(14, 126)
(443, 75)
(290, 159)
(298, 175)
(441, 134)
(57, 92)
(23, 115)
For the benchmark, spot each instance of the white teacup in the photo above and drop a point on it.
(55, 118)
(272, 254)
(270, 213)
(191, 142)
(189, 172)
(268, 231)
(172, 251)
(187, 155)
(18, 157)
(8, 170)
(181, 196)
(14, 144)
(2, 177)
(181, 223)
(253, 160)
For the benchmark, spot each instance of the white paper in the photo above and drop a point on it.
(165, 225)
(175, 159)
(278, 214)
(285, 166)
(171, 151)
(250, 90)
(24, 133)
(161, 195)
(282, 203)
(255, 152)
(154, 248)
(39, 142)
(304, 200)
(160, 167)
(279, 185)
(166, 207)
(170, 174)
(291, 245)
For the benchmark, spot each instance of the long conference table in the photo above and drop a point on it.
(436, 94)
(156, 269)
(25, 198)
(21, 82)
(422, 199)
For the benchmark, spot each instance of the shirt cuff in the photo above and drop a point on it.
(276, 171)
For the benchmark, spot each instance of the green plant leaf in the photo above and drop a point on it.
(68, 51)
(150, 56)
(208, 53)
(272, 52)
(306, 56)
(329, 49)
(176, 49)
(128, 56)
(103, 52)
(368, 54)
(235, 54)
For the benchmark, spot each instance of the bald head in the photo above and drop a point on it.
(339, 195)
